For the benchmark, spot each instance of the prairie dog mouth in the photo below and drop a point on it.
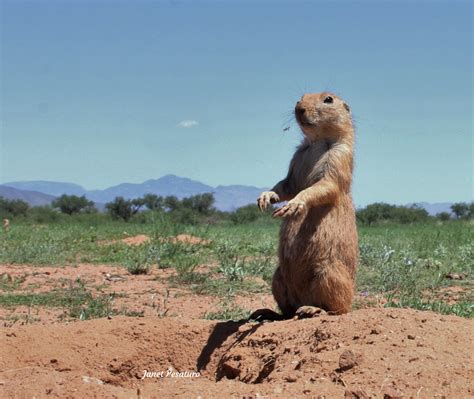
(304, 122)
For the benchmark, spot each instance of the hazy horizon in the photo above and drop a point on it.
(99, 94)
(356, 204)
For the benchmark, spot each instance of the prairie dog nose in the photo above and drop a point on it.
(300, 109)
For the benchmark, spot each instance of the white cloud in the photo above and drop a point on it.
(188, 123)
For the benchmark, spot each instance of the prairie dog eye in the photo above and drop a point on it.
(328, 100)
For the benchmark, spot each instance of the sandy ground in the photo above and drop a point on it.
(369, 353)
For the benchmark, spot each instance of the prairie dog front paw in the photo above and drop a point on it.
(290, 209)
(266, 198)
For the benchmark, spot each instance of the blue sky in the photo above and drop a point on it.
(99, 93)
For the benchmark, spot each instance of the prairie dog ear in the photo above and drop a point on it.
(346, 107)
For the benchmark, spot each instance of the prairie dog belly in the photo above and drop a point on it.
(299, 237)
(324, 234)
(308, 164)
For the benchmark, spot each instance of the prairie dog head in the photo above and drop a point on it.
(323, 116)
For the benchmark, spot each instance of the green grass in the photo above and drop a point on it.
(77, 300)
(9, 283)
(228, 312)
(408, 264)
(461, 308)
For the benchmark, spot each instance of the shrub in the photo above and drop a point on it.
(123, 209)
(246, 214)
(153, 202)
(201, 203)
(444, 216)
(381, 212)
(462, 210)
(43, 214)
(71, 204)
(10, 208)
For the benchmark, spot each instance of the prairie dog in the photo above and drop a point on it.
(6, 225)
(318, 247)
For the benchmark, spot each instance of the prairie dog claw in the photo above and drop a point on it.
(290, 209)
(266, 198)
(304, 312)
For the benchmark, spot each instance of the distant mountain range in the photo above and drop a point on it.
(51, 188)
(227, 198)
(34, 198)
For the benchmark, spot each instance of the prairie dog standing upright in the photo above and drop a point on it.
(318, 247)
(6, 225)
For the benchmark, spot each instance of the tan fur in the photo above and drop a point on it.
(6, 225)
(318, 248)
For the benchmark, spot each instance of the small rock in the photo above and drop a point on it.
(113, 277)
(296, 364)
(277, 390)
(456, 276)
(291, 378)
(355, 394)
(89, 380)
(411, 336)
(392, 393)
(376, 330)
(348, 360)
(230, 370)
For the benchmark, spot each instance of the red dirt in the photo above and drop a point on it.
(368, 353)
(135, 240)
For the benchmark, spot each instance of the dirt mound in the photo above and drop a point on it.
(188, 239)
(367, 353)
(134, 240)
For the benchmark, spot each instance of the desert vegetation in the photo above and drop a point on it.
(407, 258)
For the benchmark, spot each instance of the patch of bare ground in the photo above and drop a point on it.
(146, 294)
(134, 240)
(367, 353)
